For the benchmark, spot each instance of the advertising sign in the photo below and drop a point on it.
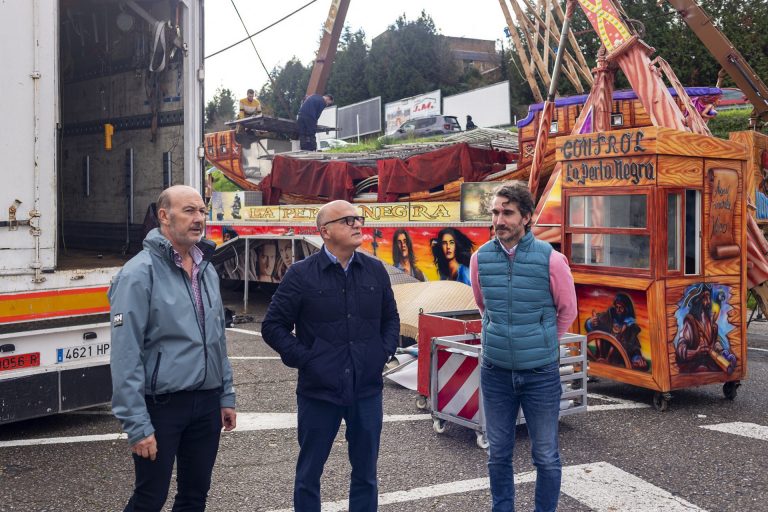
(398, 112)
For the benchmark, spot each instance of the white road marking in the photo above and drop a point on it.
(618, 403)
(605, 488)
(246, 422)
(740, 428)
(253, 358)
(63, 440)
(758, 349)
(601, 486)
(249, 421)
(243, 331)
(91, 413)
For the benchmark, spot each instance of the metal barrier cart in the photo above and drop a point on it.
(455, 394)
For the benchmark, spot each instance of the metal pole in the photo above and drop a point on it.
(357, 116)
(245, 277)
(560, 52)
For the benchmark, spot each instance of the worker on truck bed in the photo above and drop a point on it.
(249, 106)
(171, 378)
(309, 113)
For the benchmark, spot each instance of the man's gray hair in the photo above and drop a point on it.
(164, 200)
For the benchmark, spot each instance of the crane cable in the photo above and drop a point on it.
(269, 75)
(262, 30)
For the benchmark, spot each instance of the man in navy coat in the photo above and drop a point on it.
(309, 113)
(341, 304)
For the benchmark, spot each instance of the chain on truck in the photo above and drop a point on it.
(106, 104)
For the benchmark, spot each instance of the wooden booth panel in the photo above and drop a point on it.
(680, 171)
(617, 324)
(723, 228)
(705, 333)
(674, 142)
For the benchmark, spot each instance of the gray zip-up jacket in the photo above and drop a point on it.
(158, 344)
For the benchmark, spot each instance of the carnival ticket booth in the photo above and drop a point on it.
(654, 227)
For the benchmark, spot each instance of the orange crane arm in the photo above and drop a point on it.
(321, 70)
(726, 54)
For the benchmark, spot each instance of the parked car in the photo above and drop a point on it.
(732, 98)
(327, 144)
(426, 127)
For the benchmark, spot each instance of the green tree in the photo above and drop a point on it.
(219, 110)
(411, 58)
(282, 96)
(347, 83)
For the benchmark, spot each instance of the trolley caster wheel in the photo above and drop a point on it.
(661, 401)
(421, 403)
(730, 389)
(438, 425)
(482, 441)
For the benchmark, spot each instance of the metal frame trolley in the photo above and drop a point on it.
(455, 394)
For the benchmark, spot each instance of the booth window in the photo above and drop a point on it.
(692, 230)
(683, 231)
(609, 230)
(674, 236)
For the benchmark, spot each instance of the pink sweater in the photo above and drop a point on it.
(560, 284)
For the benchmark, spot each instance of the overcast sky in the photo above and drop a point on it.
(238, 68)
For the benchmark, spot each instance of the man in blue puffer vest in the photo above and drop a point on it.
(525, 291)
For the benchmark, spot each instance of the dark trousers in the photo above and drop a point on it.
(307, 133)
(187, 428)
(319, 423)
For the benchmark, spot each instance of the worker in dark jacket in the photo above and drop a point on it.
(309, 113)
(347, 327)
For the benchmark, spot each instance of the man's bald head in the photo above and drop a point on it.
(171, 194)
(181, 214)
(334, 210)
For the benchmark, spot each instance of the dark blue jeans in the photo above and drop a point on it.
(307, 133)
(319, 423)
(538, 392)
(187, 428)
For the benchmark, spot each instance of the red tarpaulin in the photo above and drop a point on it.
(429, 170)
(335, 180)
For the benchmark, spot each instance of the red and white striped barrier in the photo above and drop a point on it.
(458, 385)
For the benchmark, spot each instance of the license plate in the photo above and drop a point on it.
(80, 352)
(19, 361)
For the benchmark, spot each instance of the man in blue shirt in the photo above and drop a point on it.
(309, 113)
(346, 328)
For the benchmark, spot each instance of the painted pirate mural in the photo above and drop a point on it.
(702, 344)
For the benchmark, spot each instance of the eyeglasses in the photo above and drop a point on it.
(349, 220)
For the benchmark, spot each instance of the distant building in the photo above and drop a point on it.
(477, 53)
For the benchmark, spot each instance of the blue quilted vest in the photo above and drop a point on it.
(520, 319)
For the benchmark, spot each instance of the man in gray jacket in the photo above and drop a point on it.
(171, 379)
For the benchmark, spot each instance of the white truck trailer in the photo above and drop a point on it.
(102, 109)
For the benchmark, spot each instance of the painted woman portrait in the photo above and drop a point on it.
(452, 250)
(403, 257)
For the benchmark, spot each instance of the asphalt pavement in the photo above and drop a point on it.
(706, 453)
